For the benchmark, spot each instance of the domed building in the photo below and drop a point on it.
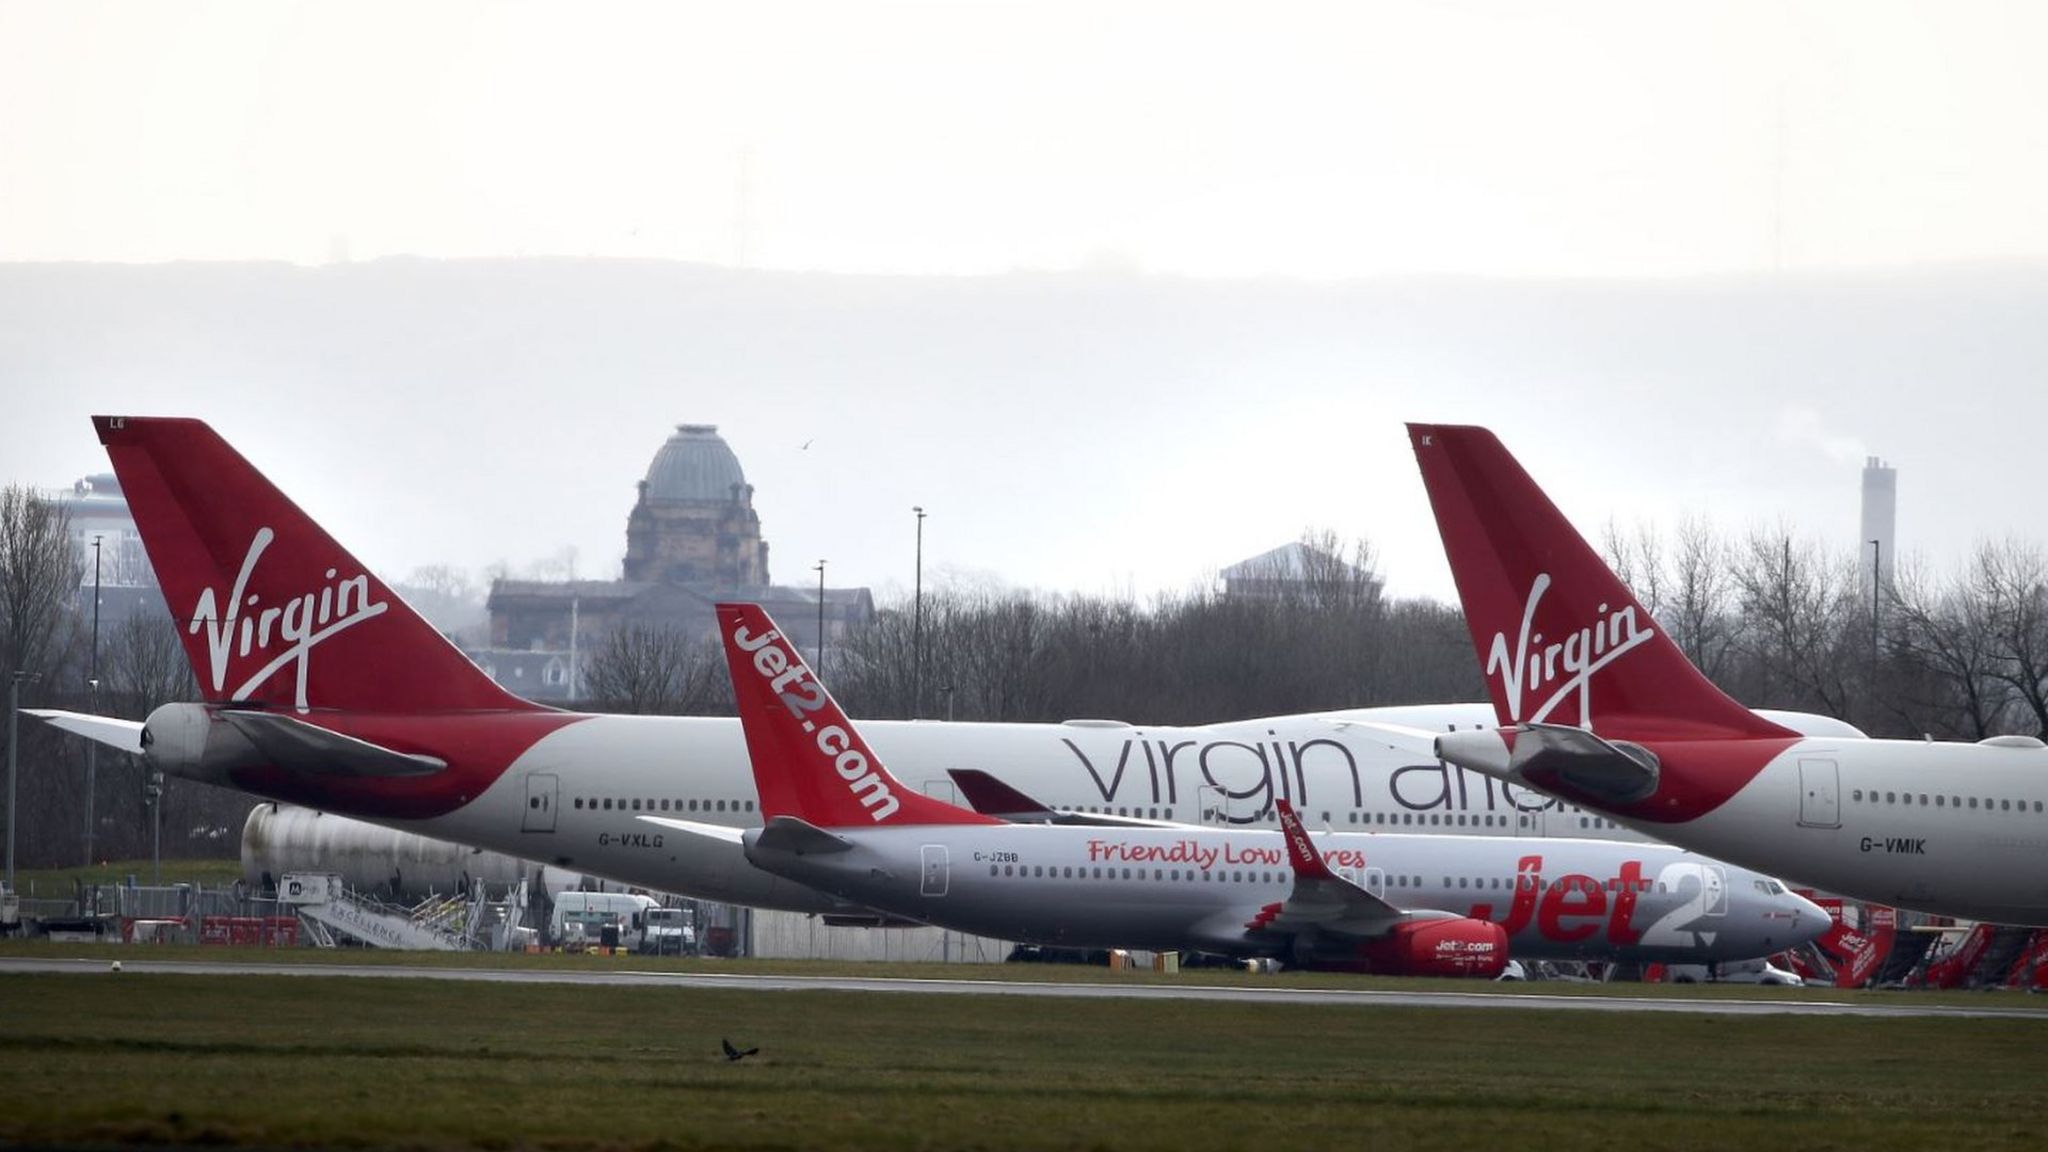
(695, 520)
(692, 540)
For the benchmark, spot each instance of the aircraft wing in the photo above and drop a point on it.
(112, 731)
(297, 746)
(1322, 901)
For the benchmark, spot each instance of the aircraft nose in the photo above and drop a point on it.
(1810, 920)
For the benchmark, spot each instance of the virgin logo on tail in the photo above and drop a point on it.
(249, 627)
(1562, 666)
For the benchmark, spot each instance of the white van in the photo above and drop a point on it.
(580, 918)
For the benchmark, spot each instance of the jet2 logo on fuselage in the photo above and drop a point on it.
(302, 622)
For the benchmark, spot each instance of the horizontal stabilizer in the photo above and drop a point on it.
(724, 833)
(297, 746)
(991, 797)
(791, 835)
(112, 731)
(1616, 772)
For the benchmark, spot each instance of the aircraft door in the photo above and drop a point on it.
(1714, 890)
(543, 789)
(1820, 794)
(937, 873)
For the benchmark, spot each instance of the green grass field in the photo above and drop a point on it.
(102, 1059)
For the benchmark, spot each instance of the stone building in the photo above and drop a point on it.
(692, 540)
(695, 522)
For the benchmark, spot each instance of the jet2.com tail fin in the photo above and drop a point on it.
(271, 610)
(809, 761)
(1561, 639)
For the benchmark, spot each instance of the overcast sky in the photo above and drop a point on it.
(1652, 147)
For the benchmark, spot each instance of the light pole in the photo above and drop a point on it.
(92, 684)
(13, 757)
(154, 793)
(947, 691)
(1876, 586)
(917, 624)
(818, 656)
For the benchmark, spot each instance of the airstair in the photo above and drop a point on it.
(436, 924)
(2001, 957)
(2031, 973)
(1847, 957)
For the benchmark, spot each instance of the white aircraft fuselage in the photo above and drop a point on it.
(1204, 889)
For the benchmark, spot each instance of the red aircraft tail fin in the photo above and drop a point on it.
(271, 610)
(1560, 637)
(809, 761)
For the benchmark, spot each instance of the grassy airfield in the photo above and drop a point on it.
(270, 1061)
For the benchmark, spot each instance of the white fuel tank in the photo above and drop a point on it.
(384, 862)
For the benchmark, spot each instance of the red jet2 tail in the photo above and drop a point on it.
(271, 610)
(1561, 639)
(809, 762)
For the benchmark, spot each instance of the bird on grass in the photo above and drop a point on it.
(732, 1053)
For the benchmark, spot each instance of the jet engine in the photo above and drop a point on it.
(191, 741)
(1450, 947)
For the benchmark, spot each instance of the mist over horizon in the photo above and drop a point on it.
(1094, 431)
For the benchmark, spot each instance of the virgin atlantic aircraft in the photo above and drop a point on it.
(324, 689)
(1597, 706)
(1437, 905)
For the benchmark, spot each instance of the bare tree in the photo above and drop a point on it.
(2013, 580)
(655, 669)
(1799, 614)
(1942, 640)
(448, 598)
(143, 664)
(1638, 560)
(39, 580)
(1698, 615)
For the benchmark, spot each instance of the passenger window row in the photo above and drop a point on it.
(665, 804)
(1523, 881)
(2005, 804)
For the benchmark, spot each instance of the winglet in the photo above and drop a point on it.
(1301, 853)
(809, 760)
